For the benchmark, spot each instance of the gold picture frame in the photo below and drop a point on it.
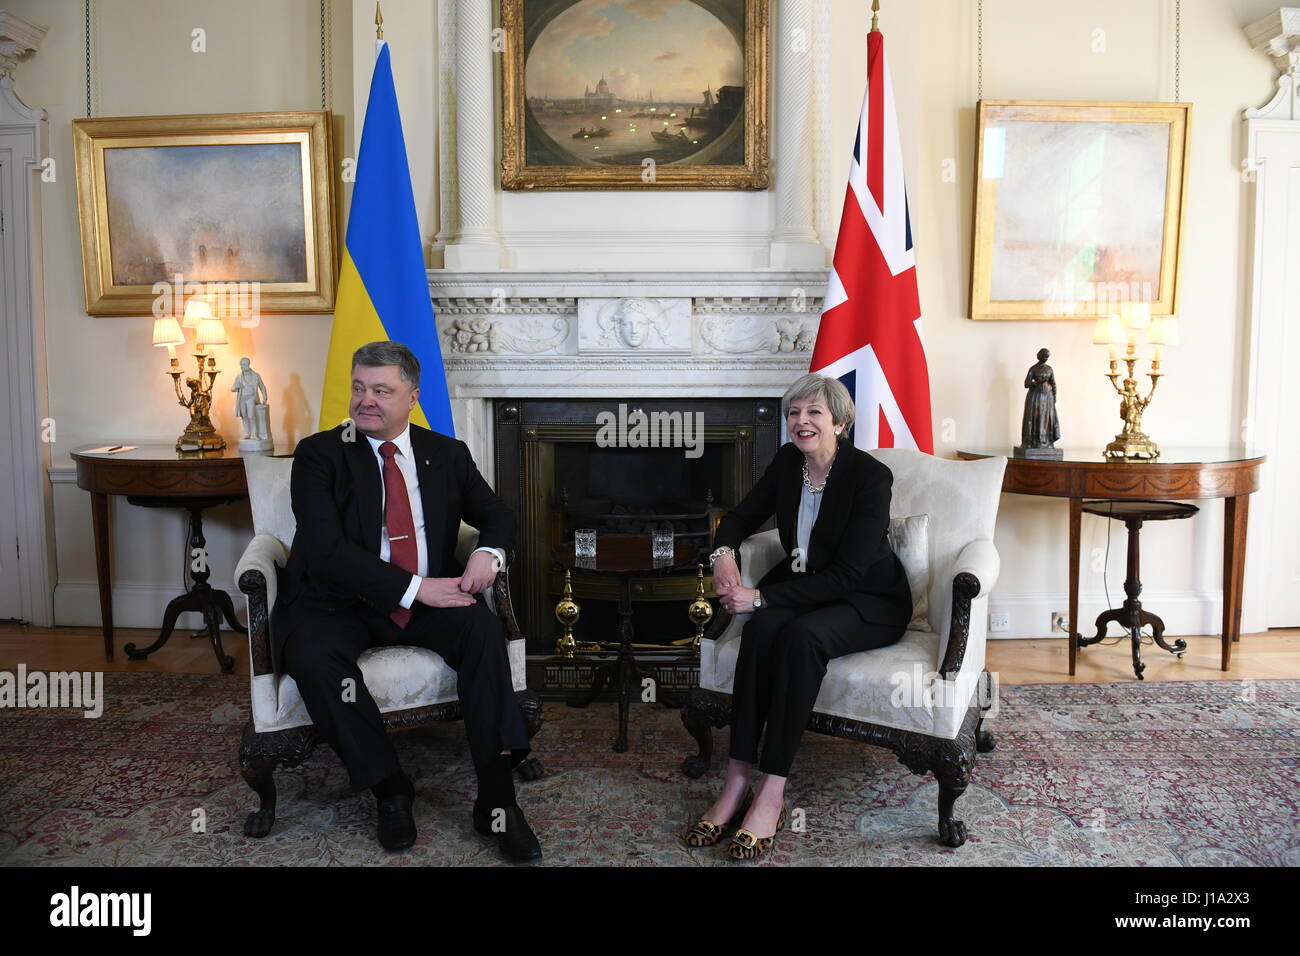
(223, 198)
(1078, 205)
(519, 172)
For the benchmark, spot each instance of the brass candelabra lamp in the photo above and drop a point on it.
(1132, 443)
(199, 434)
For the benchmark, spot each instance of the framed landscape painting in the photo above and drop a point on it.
(645, 94)
(223, 198)
(1078, 206)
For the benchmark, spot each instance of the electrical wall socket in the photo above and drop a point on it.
(999, 622)
(1059, 620)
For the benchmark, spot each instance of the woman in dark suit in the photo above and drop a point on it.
(840, 590)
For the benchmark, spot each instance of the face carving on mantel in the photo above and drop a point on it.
(634, 319)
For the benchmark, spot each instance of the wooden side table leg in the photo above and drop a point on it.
(1076, 518)
(1236, 510)
(103, 546)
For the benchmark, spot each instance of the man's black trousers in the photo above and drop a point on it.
(321, 654)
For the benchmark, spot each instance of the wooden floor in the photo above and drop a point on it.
(1274, 653)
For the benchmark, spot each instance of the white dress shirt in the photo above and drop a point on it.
(406, 465)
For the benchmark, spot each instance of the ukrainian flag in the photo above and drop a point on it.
(383, 288)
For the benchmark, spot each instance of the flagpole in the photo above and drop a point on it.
(875, 16)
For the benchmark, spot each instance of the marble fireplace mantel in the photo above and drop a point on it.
(618, 335)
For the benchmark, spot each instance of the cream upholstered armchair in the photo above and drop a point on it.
(413, 686)
(925, 696)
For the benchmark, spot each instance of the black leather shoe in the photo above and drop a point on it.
(396, 823)
(517, 841)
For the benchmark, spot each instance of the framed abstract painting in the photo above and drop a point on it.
(1078, 206)
(209, 199)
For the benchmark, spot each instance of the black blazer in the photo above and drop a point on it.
(337, 494)
(850, 553)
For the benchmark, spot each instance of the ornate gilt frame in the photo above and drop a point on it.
(754, 174)
(1179, 118)
(311, 128)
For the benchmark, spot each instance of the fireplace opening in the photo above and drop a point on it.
(641, 490)
(558, 471)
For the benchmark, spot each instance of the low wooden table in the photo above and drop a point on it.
(159, 476)
(1230, 472)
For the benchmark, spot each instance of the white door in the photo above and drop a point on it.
(1272, 422)
(10, 477)
(1284, 449)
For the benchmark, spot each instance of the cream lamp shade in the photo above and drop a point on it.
(1136, 315)
(1163, 331)
(212, 332)
(167, 331)
(196, 311)
(1109, 330)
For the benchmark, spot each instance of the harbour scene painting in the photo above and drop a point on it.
(638, 83)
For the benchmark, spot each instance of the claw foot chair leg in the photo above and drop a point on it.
(952, 832)
(704, 709)
(258, 756)
(530, 768)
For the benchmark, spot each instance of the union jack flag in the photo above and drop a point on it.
(870, 336)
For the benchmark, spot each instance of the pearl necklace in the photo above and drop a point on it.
(817, 489)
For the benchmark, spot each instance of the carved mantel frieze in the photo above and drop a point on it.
(630, 331)
(627, 322)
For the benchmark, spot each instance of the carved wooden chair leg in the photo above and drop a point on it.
(703, 709)
(984, 741)
(259, 754)
(952, 780)
(530, 768)
(257, 770)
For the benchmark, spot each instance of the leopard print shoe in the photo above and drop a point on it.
(745, 846)
(705, 833)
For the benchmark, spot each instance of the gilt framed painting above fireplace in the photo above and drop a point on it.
(623, 94)
(557, 470)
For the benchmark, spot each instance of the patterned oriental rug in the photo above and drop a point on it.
(1142, 774)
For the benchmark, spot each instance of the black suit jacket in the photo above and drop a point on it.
(337, 494)
(850, 553)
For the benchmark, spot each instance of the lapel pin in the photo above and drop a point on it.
(426, 461)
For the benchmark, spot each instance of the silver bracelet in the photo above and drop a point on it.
(718, 552)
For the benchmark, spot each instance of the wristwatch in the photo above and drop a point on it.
(758, 599)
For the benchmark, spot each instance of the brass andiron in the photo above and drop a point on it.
(566, 612)
(701, 611)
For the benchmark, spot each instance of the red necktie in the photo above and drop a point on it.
(402, 550)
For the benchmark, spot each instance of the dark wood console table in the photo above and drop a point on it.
(1230, 472)
(158, 476)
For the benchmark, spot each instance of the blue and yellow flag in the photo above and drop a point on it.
(383, 287)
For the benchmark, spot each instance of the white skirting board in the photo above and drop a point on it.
(76, 604)
(1185, 612)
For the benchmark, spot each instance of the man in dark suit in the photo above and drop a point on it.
(378, 502)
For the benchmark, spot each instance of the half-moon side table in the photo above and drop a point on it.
(159, 476)
(1230, 472)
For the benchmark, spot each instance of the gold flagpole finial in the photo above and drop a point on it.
(875, 16)
(379, 22)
